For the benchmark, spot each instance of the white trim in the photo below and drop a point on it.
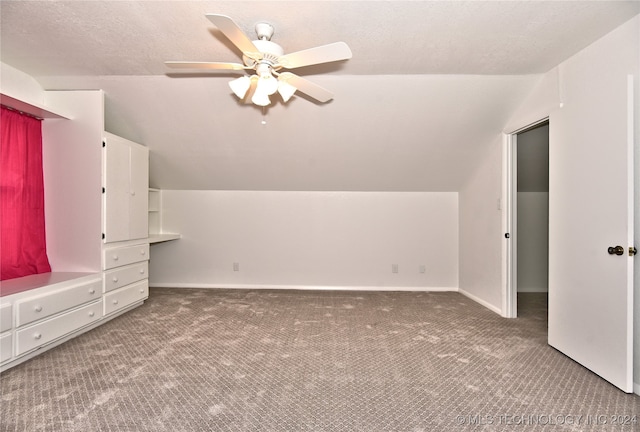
(636, 388)
(630, 228)
(509, 287)
(301, 287)
(509, 300)
(482, 302)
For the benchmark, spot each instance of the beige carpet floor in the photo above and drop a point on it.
(233, 360)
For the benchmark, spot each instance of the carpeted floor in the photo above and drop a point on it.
(233, 360)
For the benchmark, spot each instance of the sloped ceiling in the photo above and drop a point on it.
(430, 85)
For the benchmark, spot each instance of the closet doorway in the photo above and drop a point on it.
(531, 219)
(525, 192)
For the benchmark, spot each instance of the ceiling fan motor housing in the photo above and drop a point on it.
(271, 52)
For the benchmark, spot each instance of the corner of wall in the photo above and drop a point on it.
(480, 223)
(20, 85)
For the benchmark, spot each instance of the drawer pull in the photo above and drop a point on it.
(92, 314)
(37, 336)
(142, 252)
(115, 257)
(115, 302)
(92, 291)
(38, 308)
(141, 271)
(141, 291)
(115, 279)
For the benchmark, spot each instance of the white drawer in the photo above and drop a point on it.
(121, 276)
(35, 308)
(123, 255)
(123, 297)
(6, 318)
(49, 330)
(6, 347)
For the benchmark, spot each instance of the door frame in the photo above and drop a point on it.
(508, 205)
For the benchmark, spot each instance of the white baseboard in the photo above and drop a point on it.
(299, 287)
(482, 302)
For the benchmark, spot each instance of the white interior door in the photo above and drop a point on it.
(591, 210)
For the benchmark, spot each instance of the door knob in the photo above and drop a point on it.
(618, 250)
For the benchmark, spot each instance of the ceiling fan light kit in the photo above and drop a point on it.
(266, 59)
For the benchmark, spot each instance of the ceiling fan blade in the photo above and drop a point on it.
(235, 34)
(322, 54)
(205, 65)
(307, 87)
(252, 89)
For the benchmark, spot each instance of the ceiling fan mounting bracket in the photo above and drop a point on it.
(264, 31)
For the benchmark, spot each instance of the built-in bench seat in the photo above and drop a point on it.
(27, 283)
(40, 311)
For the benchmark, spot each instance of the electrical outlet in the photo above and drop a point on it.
(236, 267)
(423, 269)
(394, 268)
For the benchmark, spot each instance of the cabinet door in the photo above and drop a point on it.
(139, 198)
(116, 192)
(126, 199)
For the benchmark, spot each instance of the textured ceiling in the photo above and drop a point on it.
(429, 88)
(387, 37)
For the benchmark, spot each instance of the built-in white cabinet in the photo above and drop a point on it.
(6, 335)
(97, 242)
(126, 281)
(126, 184)
(55, 307)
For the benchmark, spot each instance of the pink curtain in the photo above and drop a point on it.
(22, 232)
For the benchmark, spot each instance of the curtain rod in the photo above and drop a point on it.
(22, 112)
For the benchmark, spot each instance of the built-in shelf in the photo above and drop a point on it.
(36, 110)
(158, 238)
(156, 233)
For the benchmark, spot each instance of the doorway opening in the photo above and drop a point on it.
(532, 221)
(526, 222)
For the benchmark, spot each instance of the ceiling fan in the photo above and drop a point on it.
(267, 59)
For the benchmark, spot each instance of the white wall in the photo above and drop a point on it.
(481, 233)
(308, 239)
(533, 241)
(19, 85)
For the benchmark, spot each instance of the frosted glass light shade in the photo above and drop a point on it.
(261, 97)
(286, 90)
(239, 86)
(269, 83)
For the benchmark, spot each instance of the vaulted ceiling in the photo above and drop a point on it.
(429, 87)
